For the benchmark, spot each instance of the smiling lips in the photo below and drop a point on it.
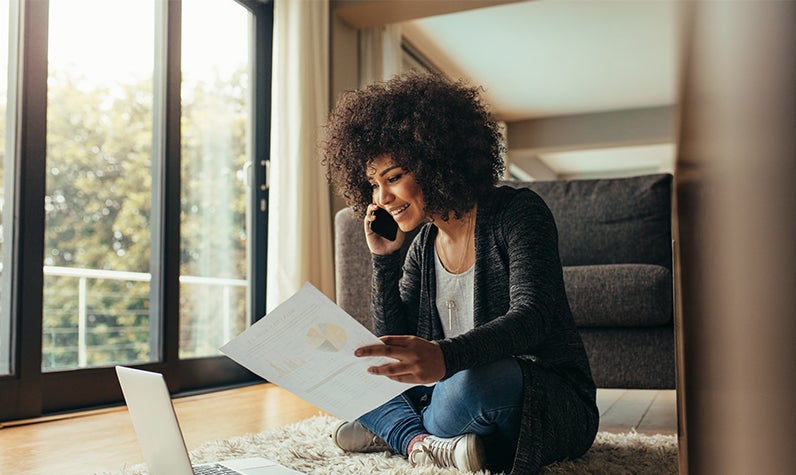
(399, 210)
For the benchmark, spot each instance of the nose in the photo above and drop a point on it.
(382, 196)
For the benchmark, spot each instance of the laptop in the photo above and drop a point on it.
(160, 437)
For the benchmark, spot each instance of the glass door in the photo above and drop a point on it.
(215, 181)
(98, 203)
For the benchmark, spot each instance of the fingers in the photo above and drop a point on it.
(416, 360)
(376, 243)
(374, 350)
(398, 340)
(392, 346)
(370, 212)
(396, 352)
(405, 378)
(401, 372)
(404, 372)
(369, 217)
(390, 369)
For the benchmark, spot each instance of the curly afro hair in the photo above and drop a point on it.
(438, 130)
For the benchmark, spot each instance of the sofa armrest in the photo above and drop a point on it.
(352, 267)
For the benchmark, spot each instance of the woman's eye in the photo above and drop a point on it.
(394, 178)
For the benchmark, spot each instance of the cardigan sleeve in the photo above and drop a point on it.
(395, 292)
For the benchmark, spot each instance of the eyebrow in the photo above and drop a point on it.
(384, 172)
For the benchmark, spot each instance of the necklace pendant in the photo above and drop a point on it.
(451, 304)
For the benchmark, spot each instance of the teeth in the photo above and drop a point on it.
(396, 211)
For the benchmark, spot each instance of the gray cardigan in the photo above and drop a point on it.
(520, 310)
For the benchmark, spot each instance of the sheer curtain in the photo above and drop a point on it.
(299, 224)
(379, 53)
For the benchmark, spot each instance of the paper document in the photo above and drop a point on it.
(306, 345)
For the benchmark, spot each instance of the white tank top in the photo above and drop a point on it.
(454, 298)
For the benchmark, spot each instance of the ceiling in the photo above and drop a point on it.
(538, 59)
(558, 57)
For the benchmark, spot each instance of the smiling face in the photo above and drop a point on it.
(396, 191)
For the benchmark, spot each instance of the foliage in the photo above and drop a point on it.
(99, 213)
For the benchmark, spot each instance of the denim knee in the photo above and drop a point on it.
(472, 400)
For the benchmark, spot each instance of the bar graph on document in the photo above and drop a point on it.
(285, 367)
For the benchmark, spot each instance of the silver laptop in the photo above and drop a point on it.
(159, 433)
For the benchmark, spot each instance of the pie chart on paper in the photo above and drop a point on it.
(326, 337)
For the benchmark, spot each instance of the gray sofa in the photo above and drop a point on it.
(615, 246)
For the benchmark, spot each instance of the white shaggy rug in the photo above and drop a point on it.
(307, 446)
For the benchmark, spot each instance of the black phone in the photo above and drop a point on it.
(384, 225)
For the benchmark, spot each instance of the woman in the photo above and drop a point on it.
(476, 314)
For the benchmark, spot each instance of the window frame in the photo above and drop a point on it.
(28, 391)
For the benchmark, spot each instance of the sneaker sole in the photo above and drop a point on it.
(476, 454)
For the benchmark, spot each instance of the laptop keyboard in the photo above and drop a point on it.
(213, 469)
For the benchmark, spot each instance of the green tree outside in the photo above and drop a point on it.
(98, 213)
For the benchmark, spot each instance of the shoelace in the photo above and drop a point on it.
(439, 451)
(375, 442)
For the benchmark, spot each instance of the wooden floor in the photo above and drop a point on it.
(645, 411)
(104, 440)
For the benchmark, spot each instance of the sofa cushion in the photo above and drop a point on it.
(636, 358)
(610, 221)
(619, 295)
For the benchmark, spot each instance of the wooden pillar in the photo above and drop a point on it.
(735, 187)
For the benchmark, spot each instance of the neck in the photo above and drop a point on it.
(456, 229)
(454, 240)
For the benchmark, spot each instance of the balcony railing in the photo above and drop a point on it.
(54, 338)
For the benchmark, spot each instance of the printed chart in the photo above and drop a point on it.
(326, 337)
(306, 345)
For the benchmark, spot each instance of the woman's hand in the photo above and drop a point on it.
(419, 361)
(378, 244)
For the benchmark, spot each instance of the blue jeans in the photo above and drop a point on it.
(486, 401)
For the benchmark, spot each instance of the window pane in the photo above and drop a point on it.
(6, 191)
(215, 153)
(98, 192)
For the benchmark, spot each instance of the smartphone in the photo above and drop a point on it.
(384, 225)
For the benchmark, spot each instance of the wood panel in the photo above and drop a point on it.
(606, 398)
(370, 13)
(645, 411)
(104, 440)
(661, 416)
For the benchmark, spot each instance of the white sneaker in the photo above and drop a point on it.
(465, 452)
